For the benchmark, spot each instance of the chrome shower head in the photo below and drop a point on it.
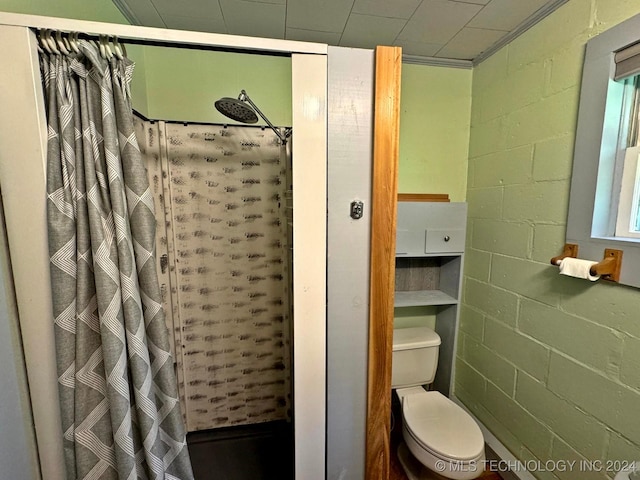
(236, 110)
(239, 111)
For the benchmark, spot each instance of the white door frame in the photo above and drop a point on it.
(22, 182)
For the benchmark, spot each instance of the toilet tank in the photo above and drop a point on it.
(415, 356)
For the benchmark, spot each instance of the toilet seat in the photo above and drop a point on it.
(442, 428)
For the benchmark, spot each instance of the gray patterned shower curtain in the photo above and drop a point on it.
(120, 411)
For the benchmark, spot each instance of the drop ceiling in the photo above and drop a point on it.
(455, 32)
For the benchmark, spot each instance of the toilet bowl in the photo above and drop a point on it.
(441, 439)
(440, 435)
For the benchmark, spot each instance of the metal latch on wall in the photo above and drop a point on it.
(357, 209)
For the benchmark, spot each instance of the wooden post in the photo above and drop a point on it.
(383, 242)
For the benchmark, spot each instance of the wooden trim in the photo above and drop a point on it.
(423, 197)
(383, 240)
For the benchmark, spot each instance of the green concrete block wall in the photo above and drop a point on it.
(549, 364)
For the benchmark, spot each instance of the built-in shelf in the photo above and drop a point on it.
(430, 247)
(421, 298)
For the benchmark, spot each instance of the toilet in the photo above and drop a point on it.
(439, 436)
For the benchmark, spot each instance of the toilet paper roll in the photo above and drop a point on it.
(578, 268)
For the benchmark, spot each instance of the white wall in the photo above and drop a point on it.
(351, 77)
(17, 449)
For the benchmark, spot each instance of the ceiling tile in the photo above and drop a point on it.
(254, 19)
(506, 14)
(437, 21)
(366, 31)
(417, 48)
(385, 8)
(188, 8)
(457, 29)
(323, 16)
(330, 38)
(145, 13)
(469, 43)
(196, 24)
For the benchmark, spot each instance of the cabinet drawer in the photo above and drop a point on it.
(444, 240)
(409, 242)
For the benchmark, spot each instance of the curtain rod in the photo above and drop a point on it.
(182, 122)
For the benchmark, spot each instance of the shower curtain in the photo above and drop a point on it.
(120, 411)
(224, 244)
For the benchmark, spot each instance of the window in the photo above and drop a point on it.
(627, 220)
(604, 207)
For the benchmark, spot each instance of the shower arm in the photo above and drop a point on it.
(287, 133)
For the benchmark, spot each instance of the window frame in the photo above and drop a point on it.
(597, 169)
(629, 191)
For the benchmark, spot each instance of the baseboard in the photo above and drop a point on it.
(501, 452)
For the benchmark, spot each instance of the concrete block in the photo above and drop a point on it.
(551, 117)
(527, 48)
(471, 322)
(621, 451)
(502, 433)
(507, 238)
(630, 367)
(494, 302)
(477, 263)
(537, 281)
(587, 342)
(565, 67)
(553, 158)
(524, 352)
(573, 20)
(610, 402)
(529, 458)
(614, 306)
(485, 202)
(491, 366)
(548, 241)
(509, 167)
(490, 72)
(491, 101)
(524, 86)
(487, 137)
(570, 465)
(470, 173)
(607, 14)
(526, 428)
(539, 202)
(470, 380)
(583, 432)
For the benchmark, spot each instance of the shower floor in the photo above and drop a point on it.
(248, 452)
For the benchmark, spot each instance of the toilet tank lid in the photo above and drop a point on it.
(415, 337)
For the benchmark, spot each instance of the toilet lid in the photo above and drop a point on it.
(442, 427)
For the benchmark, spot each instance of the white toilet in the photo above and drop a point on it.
(440, 435)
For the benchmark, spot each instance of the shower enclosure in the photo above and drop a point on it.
(222, 196)
(27, 238)
(332, 120)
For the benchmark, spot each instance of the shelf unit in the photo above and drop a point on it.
(429, 257)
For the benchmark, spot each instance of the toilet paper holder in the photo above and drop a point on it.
(608, 268)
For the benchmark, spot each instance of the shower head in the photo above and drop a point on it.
(236, 110)
(239, 111)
